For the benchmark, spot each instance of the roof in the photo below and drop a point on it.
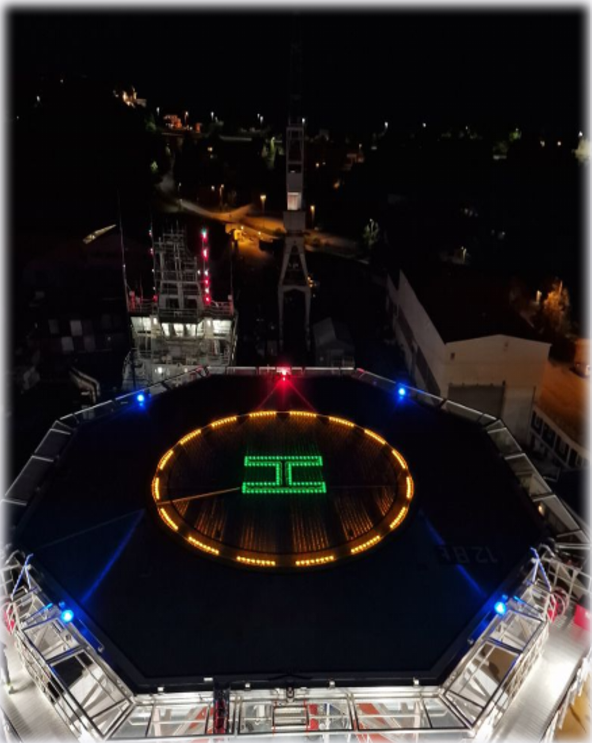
(564, 398)
(170, 614)
(464, 303)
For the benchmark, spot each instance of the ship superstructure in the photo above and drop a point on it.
(180, 326)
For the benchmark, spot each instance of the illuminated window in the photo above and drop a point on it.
(294, 201)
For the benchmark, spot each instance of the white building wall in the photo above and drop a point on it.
(515, 363)
(425, 334)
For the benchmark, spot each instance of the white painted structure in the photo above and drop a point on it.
(498, 373)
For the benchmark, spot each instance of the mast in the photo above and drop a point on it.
(294, 271)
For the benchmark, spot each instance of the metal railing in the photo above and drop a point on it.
(92, 700)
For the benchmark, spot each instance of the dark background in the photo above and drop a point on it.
(494, 68)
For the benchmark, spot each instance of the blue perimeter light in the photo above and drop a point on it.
(67, 616)
(500, 608)
(401, 391)
(140, 398)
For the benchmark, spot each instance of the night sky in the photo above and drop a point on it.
(481, 68)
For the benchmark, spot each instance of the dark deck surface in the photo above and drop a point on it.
(168, 615)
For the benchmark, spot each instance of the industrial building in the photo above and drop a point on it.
(462, 340)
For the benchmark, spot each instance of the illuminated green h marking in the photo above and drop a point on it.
(282, 479)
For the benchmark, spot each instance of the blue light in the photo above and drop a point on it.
(401, 391)
(500, 608)
(140, 398)
(67, 616)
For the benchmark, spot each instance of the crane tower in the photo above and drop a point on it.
(294, 272)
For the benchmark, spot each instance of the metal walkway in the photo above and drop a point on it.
(532, 710)
(29, 712)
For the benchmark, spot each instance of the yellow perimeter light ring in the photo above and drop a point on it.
(391, 521)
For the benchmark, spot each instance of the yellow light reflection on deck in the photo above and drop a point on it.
(165, 517)
(202, 546)
(409, 487)
(314, 561)
(400, 516)
(374, 436)
(341, 421)
(224, 421)
(156, 488)
(399, 459)
(365, 545)
(190, 436)
(253, 561)
(165, 459)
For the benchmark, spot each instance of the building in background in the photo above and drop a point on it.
(333, 343)
(462, 340)
(558, 426)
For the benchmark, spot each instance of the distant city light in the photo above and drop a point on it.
(500, 608)
(424, 125)
(386, 124)
(401, 392)
(159, 370)
(204, 233)
(558, 143)
(67, 616)
(542, 142)
(140, 398)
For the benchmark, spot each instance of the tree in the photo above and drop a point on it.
(370, 234)
(554, 312)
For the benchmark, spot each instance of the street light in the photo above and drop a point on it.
(312, 213)
(186, 115)
(263, 197)
(221, 189)
(212, 115)
(386, 125)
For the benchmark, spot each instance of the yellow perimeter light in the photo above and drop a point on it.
(259, 563)
(202, 546)
(224, 421)
(315, 561)
(156, 488)
(400, 516)
(341, 421)
(374, 436)
(365, 545)
(190, 436)
(165, 517)
(263, 414)
(302, 414)
(400, 459)
(409, 487)
(165, 459)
